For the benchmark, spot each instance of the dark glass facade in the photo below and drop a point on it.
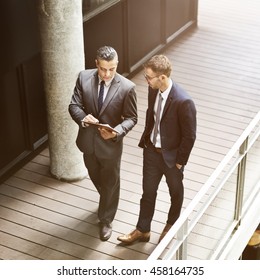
(137, 29)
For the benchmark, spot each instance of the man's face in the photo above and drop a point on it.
(107, 69)
(152, 78)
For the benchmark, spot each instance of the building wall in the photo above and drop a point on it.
(137, 29)
(22, 104)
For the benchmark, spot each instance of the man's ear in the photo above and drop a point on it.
(96, 62)
(163, 77)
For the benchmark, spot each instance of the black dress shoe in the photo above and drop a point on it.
(105, 231)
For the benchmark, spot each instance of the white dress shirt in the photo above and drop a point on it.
(164, 96)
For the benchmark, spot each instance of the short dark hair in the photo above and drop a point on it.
(106, 53)
(159, 64)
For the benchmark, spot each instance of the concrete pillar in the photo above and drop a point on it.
(61, 29)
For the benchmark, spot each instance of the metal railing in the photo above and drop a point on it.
(170, 246)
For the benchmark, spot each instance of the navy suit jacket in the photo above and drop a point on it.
(119, 110)
(177, 126)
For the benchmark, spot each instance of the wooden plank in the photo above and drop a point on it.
(19, 247)
(19, 228)
(8, 253)
(66, 239)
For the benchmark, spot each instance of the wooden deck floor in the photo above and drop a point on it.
(218, 63)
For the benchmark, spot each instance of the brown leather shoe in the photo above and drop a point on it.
(165, 230)
(135, 235)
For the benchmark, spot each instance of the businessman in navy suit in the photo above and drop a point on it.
(167, 141)
(103, 96)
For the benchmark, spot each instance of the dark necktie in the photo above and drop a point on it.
(101, 95)
(157, 118)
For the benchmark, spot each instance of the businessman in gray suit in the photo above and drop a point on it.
(103, 96)
(167, 140)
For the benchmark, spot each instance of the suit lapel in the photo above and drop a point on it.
(169, 100)
(94, 90)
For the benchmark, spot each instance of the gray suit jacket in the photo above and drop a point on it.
(119, 110)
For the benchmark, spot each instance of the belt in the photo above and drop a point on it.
(157, 150)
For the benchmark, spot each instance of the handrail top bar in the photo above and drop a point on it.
(190, 208)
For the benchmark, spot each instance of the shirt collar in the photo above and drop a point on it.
(107, 84)
(167, 91)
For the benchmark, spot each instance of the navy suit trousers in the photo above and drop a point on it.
(154, 168)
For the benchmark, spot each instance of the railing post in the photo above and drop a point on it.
(240, 182)
(181, 253)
